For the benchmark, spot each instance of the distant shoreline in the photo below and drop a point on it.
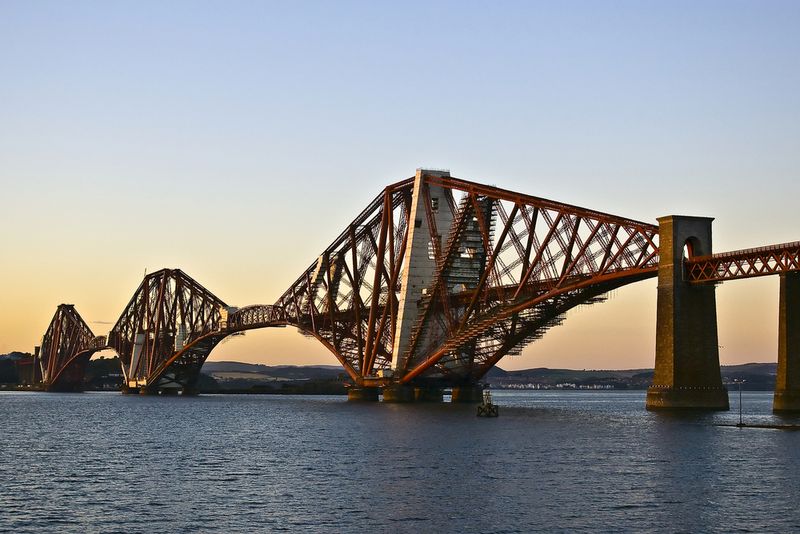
(24, 389)
(231, 377)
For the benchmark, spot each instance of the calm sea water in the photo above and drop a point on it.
(571, 461)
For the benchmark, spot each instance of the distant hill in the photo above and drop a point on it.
(757, 376)
(15, 355)
(241, 377)
(544, 378)
(104, 373)
(227, 371)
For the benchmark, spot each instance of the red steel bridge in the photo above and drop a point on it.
(66, 348)
(437, 280)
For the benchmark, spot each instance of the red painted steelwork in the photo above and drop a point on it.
(66, 348)
(490, 295)
(348, 298)
(503, 268)
(748, 263)
(171, 325)
(164, 334)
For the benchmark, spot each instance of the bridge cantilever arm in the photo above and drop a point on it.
(511, 196)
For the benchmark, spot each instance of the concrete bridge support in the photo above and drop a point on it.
(687, 374)
(787, 383)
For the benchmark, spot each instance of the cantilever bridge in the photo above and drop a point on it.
(67, 346)
(439, 278)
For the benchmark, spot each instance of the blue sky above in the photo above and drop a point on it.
(236, 139)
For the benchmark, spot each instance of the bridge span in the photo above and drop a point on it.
(439, 278)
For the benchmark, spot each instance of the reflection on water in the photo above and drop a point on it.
(573, 461)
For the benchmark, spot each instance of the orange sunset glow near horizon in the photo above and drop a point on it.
(134, 138)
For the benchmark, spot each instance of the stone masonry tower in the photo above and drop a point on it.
(687, 373)
(787, 383)
(420, 269)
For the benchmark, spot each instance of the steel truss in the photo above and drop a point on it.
(348, 298)
(167, 331)
(748, 263)
(505, 267)
(170, 327)
(508, 268)
(66, 348)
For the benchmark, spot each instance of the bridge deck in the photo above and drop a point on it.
(745, 263)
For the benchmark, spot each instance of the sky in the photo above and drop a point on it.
(236, 139)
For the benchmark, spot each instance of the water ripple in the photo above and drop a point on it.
(558, 462)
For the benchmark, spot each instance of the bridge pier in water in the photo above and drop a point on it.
(405, 394)
(408, 394)
(428, 394)
(398, 393)
(787, 383)
(363, 394)
(687, 373)
(470, 393)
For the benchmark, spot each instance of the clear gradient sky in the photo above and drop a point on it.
(235, 139)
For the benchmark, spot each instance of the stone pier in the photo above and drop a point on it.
(687, 374)
(787, 383)
(362, 394)
(398, 394)
(467, 393)
(428, 394)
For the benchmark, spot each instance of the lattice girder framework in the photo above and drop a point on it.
(347, 299)
(167, 331)
(66, 348)
(507, 266)
(748, 263)
(254, 316)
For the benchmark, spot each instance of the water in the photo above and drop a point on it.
(571, 461)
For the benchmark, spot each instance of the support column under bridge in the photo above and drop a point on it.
(687, 373)
(787, 383)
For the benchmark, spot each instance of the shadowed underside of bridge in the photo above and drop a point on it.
(66, 348)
